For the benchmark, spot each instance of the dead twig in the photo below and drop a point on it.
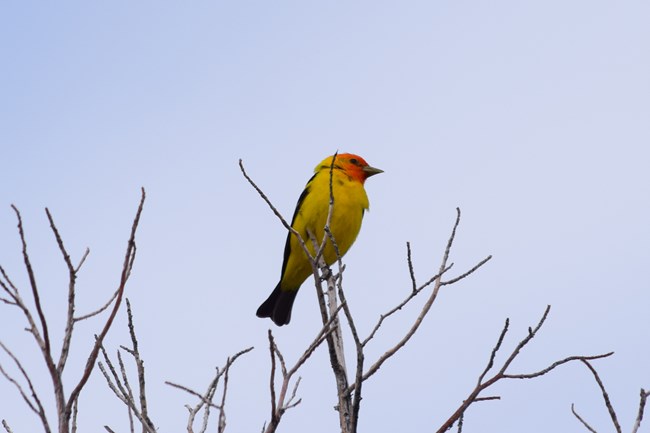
(39, 328)
(483, 384)
(205, 399)
(129, 258)
(280, 404)
(444, 267)
(643, 396)
(584, 423)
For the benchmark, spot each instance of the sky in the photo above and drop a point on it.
(531, 117)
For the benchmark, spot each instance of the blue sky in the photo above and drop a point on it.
(532, 117)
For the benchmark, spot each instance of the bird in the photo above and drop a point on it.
(348, 175)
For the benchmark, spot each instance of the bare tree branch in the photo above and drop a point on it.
(205, 399)
(192, 392)
(6, 426)
(75, 412)
(401, 305)
(72, 277)
(66, 408)
(129, 258)
(36, 405)
(427, 306)
(584, 423)
(281, 404)
(37, 299)
(82, 261)
(608, 403)
(122, 389)
(99, 310)
(139, 365)
(501, 373)
(639, 417)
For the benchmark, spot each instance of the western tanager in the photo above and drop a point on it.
(350, 201)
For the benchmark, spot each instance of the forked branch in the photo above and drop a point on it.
(502, 373)
(40, 329)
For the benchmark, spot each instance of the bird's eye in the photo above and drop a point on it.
(354, 161)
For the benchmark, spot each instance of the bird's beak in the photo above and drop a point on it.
(371, 171)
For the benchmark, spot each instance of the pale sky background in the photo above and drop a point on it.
(532, 117)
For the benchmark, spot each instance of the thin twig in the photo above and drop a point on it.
(126, 269)
(401, 305)
(100, 309)
(501, 373)
(584, 423)
(281, 404)
(36, 405)
(425, 309)
(72, 278)
(35, 294)
(494, 352)
(608, 403)
(6, 426)
(206, 398)
(192, 392)
(135, 352)
(468, 273)
(639, 417)
(409, 261)
(82, 261)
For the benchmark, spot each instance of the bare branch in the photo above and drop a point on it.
(639, 417)
(206, 398)
(36, 405)
(6, 426)
(72, 277)
(501, 374)
(290, 403)
(139, 365)
(555, 365)
(494, 352)
(126, 269)
(278, 405)
(37, 299)
(192, 392)
(44, 341)
(99, 310)
(425, 309)
(409, 261)
(324, 332)
(526, 340)
(82, 261)
(222, 410)
(75, 411)
(266, 199)
(489, 398)
(466, 274)
(272, 350)
(11, 284)
(15, 382)
(584, 423)
(122, 389)
(399, 306)
(608, 403)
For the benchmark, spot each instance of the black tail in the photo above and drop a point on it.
(278, 306)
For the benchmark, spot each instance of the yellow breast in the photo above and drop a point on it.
(350, 202)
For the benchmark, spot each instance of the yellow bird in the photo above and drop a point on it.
(350, 202)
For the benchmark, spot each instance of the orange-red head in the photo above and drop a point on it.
(353, 165)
